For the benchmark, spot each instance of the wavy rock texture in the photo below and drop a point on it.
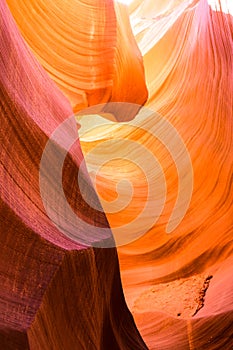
(87, 47)
(178, 285)
(55, 293)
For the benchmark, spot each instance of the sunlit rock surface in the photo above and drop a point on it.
(179, 285)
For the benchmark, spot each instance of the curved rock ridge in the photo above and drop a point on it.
(87, 47)
(55, 293)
